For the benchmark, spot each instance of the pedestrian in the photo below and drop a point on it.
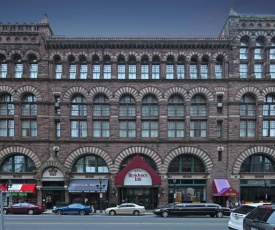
(227, 203)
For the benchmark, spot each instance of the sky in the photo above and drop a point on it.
(132, 18)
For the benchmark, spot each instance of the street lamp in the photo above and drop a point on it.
(100, 186)
(174, 192)
(8, 185)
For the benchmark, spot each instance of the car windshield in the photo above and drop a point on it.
(244, 209)
(263, 214)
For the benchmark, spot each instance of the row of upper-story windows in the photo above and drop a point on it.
(196, 68)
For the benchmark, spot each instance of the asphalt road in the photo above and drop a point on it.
(103, 222)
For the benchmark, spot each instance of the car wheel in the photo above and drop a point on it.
(112, 213)
(219, 214)
(136, 213)
(5, 211)
(165, 214)
(30, 212)
(82, 212)
(59, 212)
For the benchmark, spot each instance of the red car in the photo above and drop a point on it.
(24, 208)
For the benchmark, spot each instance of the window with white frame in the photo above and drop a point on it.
(78, 106)
(57, 129)
(219, 67)
(243, 70)
(127, 128)
(198, 128)
(272, 54)
(121, 68)
(144, 71)
(83, 67)
(269, 105)
(72, 68)
(96, 67)
(193, 71)
(244, 50)
(170, 67)
(6, 105)
(247, 128)
(132, 68)
(180, 68)
(176, 106)
(175, 128)
(90, 164)
(149, 128)
(29, 128)
(149, 106)
(258, 70)
(101, 106)
(155, 67)
(204, 71)
(58, 67)
(127, 106)
(248, 105)
(198, 106)
(101, 128)
(6, 127)
(107, 68)
(269, 128)
(18, 67)
(33, 66)
(79, 128)
(3, 67)
(28, 105)
(258, 53)
(272, 71)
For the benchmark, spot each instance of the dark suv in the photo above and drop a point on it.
(261, 218)
(190, 209)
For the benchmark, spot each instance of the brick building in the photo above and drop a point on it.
(144, 120)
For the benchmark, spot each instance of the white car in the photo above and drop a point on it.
(236, 217)
(126, 209)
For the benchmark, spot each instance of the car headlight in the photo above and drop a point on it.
(157, 210)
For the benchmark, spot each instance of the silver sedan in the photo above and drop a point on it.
(126, 209)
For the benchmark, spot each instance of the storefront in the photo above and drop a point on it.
(138, 183)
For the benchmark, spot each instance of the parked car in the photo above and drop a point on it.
(237, 215)
(24, 208)
(261, 218)
(76, 208)
(126, 209)
(189, 209)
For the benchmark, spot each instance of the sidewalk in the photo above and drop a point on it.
(148, 212)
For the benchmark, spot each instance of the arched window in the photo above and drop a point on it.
(248, 118)
(268, 114)
(6, 109)
(204, 67)
(269, 105)
(272, 59)
(170, 67)
(258, 163)
(127, 113)
(219, 67)
(96, 67)
(149, 106)
(132, 67)
(18, 66)
(155, 67)
(33, 66)
(83, 68)
(147, 159)
(107, 69)
(180, 68)
(101, 111)
(3, 67)
(144, 67)
(248, 105)
(18, 163)
(187, 163)
(244, 49)
(194, 68)
(121, 69)
(101, 106)
(72, 67)
(258, 53)
(58, 67)
(176, 106)
(198, 106)
(91, 164)
(29, 106)
(78, 106)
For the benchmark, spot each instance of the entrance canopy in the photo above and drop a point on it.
(88, 185)
(17, 188)
(223, 188)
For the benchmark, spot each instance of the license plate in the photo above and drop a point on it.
(254, 228)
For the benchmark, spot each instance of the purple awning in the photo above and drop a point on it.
(223, 188)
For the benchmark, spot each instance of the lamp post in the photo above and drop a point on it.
(100, 186)
(174, 192)
(8, 185)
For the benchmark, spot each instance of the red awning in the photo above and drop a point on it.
(3, 188)
(28, 188)
(223, 188)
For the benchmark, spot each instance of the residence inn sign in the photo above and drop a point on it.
(137, 176)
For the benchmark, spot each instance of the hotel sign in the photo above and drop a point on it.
(137, 176)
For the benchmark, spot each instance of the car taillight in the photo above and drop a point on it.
(40, 207)
(268, 207)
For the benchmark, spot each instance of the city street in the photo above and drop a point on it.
(102, 222)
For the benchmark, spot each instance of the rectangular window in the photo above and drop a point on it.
(72, 71)
(132, 71)
(219, 129)
(78, 128)
(144, 72)
(175, 128)
(101, 129)
(193, 71)
(7, 109)
(29, 128)
(3, 70)
(247, 128)
(149, 128)
(243, 71)
(169, 71)
(258, 70)
(107, 71)
(96, 71)
(244, 53)
(121, 72)
(18, 70)
(272, 71)
(272, 54)
(198, 110)
(58, 71)
(258, 54)
(268, 128)
(198, 129)
(33, 70)
(180, 71)
(155, 72)
(218, 71)
(83, 71)
(57, 129)
(204, 71)
(6, 128)
(127, 129)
